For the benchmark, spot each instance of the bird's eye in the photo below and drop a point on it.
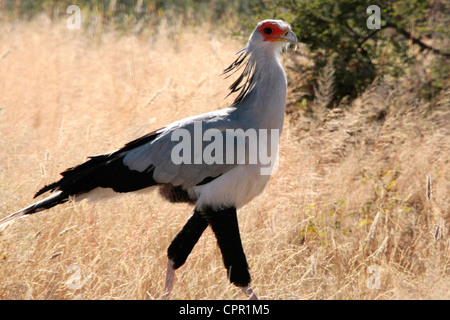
(267, 31)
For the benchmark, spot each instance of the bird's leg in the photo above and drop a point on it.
(224, 224)
(170, 278)
(181, 247)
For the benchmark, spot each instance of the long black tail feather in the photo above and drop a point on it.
(102, 171)
(47, 203)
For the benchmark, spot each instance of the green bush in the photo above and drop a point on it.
(337, 30)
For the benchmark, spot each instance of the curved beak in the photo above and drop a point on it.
(290, 37)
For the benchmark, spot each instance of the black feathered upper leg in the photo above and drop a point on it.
(185, 240)
(225, 226)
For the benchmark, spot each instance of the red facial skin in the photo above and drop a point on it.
(276, 32)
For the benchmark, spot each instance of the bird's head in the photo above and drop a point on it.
(266, 41)
(272, 35)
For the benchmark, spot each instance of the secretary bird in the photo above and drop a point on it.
(216, 188)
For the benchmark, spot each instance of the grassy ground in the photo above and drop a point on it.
(349, 202)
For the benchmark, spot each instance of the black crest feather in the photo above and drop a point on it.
(246, 81)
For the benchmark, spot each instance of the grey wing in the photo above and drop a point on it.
(180, 156)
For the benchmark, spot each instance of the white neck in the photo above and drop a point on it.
(266, 104)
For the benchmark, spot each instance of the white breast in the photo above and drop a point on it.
(235, 188)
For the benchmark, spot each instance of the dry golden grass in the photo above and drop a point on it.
(350, 191)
